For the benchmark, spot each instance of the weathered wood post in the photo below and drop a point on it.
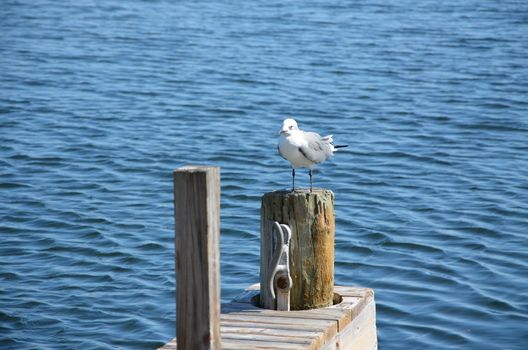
(197, 216)
(310, 217)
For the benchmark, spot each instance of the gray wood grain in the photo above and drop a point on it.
(197, 231)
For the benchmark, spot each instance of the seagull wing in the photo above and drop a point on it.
(280, 153)
(317, 149)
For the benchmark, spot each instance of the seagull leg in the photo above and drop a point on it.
(310, 173)
(293, 179)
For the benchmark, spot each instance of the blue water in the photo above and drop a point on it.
(101, 100)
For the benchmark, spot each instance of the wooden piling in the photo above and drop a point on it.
(197, 231)
(310, 216)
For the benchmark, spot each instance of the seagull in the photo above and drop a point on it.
(304, 149)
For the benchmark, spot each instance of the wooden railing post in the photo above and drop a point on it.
(197, 231)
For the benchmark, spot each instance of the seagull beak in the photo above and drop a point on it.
(282, 131)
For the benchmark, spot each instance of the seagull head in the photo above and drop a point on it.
(288, 125)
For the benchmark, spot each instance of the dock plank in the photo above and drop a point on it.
(299, 331)
(260, 345)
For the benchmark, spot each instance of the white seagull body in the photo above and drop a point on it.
(304, 149)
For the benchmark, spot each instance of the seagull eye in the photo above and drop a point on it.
(291, 127)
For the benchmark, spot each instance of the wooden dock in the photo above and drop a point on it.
(297, 255)
(348, 325)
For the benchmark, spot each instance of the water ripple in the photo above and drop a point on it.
(100, 102)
